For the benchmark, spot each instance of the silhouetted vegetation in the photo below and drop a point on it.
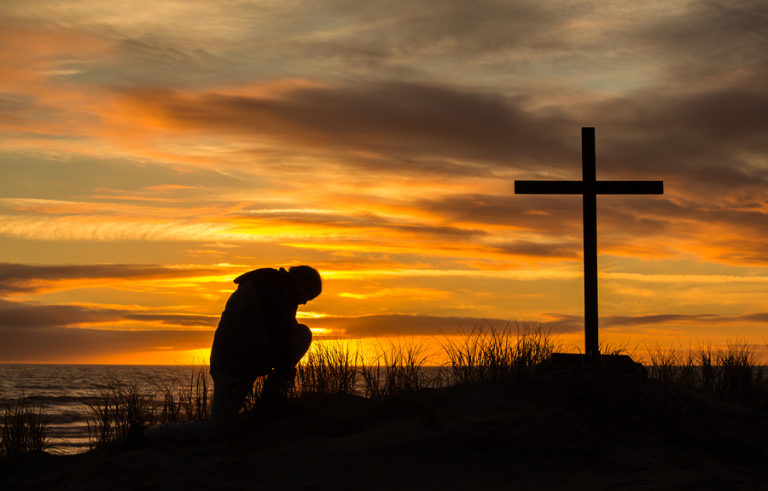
(116, 409)
(24, 429)
(483, 355)
(489, 354)
(121, 406)
(396, 369)
(189, 401)
(327, 369)
(732, 373)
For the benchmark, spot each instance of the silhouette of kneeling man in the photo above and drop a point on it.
(257, 335)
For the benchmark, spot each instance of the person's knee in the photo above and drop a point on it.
(304, 336)
(305, 332)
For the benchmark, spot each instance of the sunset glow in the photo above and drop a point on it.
(151, 152)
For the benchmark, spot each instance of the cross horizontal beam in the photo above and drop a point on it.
(579, 187)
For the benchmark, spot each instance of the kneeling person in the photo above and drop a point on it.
(257, 335)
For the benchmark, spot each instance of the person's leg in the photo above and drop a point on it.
(199, 430)
(300, 339)
(228, 395)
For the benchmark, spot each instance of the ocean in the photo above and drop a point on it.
(64, 392)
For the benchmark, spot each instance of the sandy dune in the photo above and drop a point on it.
(568, 430)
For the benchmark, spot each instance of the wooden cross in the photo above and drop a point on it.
(589, 187)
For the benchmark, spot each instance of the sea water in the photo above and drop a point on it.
(65, 393)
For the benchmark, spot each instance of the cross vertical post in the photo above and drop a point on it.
(589, 187)
(589, 209)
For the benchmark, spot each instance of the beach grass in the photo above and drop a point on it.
(327, 369)
(23, 428)
(493, 354)
(121, 406)
(188, 400)
(116, 410)
(396, 369)
(733, 373)
(548, 431)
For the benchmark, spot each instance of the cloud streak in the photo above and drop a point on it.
(393, 118)
(31, 315)
(67, 344)
(16, 277)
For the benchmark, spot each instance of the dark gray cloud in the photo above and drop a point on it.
(37, 332)
(247, 41)
(569, 250)
(386, 118)
(53, 344)
(16, 277)
(177, 319)
(31, 315)
(533, 212)
(757, 317)
(386, 325)
(641, 320)
(708, 38)
(357, 220)
(34, 332)
(698, 139)
(461, 31)
(559, 218)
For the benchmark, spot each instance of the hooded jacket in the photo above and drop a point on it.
(252, 336)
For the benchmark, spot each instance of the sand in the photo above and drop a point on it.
(567, 429)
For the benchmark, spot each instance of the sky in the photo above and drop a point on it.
(152, 151)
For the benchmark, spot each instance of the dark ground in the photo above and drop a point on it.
(566, 429)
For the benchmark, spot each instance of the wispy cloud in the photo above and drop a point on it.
(646, 320)
(67, 344)
(32, 315)
(384, 118)
(16, 277)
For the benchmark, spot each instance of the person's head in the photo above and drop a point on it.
(306, 283)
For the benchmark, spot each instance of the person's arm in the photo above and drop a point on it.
(281, 346)
(281, 322)
(279, 314)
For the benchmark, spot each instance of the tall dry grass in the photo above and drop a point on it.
(394, 370)
(116, 409)
(186, 401)
(485, 354)
(23, 428)
(121, 406)
(327, 369)
(492, 354)
(738, 375)
(733, 372)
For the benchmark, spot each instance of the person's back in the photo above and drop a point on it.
(250, 331)
(257, 335)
